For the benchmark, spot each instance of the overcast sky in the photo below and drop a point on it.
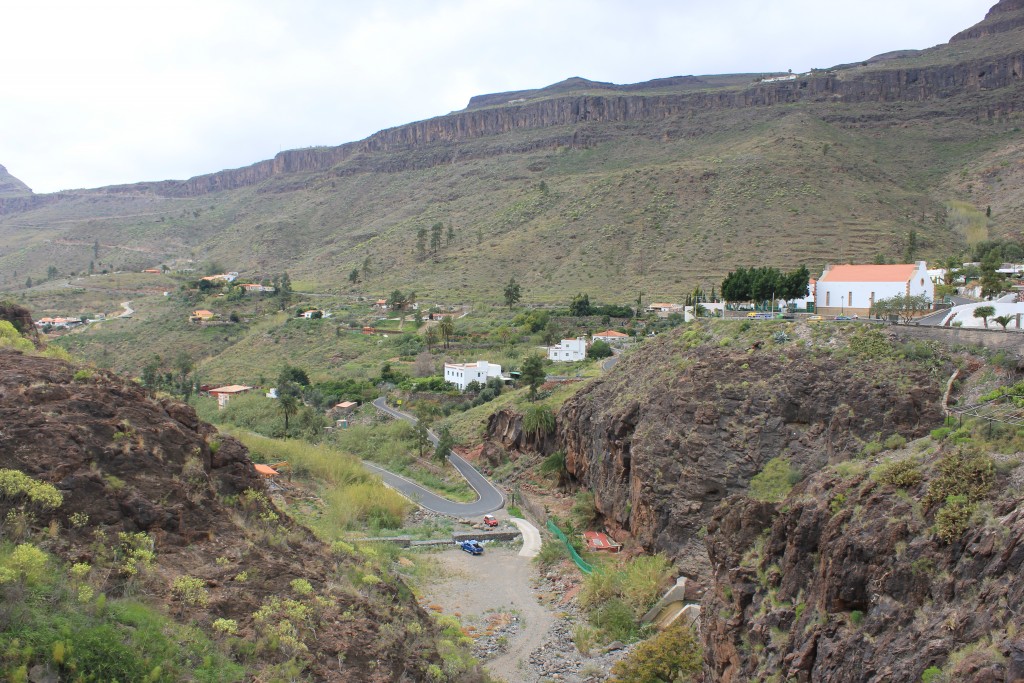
(96, 93)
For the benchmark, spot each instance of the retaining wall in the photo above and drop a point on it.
(1011, 341)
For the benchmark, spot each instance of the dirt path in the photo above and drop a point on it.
(487, 586)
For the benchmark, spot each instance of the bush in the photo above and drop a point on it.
(940, 433)
(774, 482)
(954, 517)
(671, 655)
(584, 512)
(932, 674)
(599, 349)
(615, 619)
(901, 473)
(895, 441)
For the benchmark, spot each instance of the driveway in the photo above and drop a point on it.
(489, 498)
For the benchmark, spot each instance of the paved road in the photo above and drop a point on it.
(488, 499)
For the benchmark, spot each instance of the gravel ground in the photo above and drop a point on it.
(521, 621)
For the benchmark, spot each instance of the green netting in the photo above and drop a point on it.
(584, 566)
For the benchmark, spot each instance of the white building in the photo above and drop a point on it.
(569, 350)
(853, 289)
(663, 310)
(963, 316)
(461, 374)
(611, 337)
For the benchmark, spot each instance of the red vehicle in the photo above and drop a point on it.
(489, 520)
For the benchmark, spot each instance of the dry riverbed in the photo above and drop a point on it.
(520, 619)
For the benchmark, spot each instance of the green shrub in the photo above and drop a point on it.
(674, 654)
(895, 441)
(551, 552)
(965, 472)
(902, 474)
(953, 518)
(615, 620)
(872, 448)
(941, 433)
(16, 485)
(932, 674)
(191, 591)
(774, 482)
(83, 375)
(584, 512)
(856, 617)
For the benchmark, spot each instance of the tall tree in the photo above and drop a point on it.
(991, 279)
(911, 249)
(430, 337)
(580, 305)
(421, 243)
(533, 374)
(445, 443)
(435, 236)
(284, 291)
(288, 404)
(513, 293)
(447, 329)
(450, 234)
(353, 277)
(422, 436)
(984, 312)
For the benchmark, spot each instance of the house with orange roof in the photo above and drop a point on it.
(664, 310)
(202, 315)
(612, 337)
(224, 394)
(853, 289)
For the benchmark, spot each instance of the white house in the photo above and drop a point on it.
(663, 310)
(461, 374)
(853, 289)
(611, 337)
(569, 350)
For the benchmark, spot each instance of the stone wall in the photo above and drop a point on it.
(1011, 341)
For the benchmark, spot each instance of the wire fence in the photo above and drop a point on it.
(584, 566)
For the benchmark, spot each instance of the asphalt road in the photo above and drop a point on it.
(488, 499)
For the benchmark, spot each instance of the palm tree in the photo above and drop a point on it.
(447, 328)
(1004, 320)
(289, 405)
(984, 312)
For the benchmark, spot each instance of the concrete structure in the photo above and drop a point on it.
(568, 350)
(853, 289)
(665, 310)
(224, 394)
(461, 374)
(251, 288)
(964, 315)
(611, 337)
(226, 277)
(599, 542)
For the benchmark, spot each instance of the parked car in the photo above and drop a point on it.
(843, 318)
(815, 319)
(472, 547)
(490, 520)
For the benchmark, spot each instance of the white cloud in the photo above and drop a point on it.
(114, 92)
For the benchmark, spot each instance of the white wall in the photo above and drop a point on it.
(861, 295)
(569, 350)
(462, 374)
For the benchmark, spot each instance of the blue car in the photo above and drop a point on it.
(472, 547)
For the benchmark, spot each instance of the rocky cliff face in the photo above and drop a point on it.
(848, 579)
(687, 419)
(564, 106)
(505, 431)
(1006, 15)
(127, 462)
(11, 186)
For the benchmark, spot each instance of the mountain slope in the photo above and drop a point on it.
(11, 186)
(656, 186)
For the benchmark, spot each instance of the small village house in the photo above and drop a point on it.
(462, 374)
(663, 310)
(568, 350)
(225, 277)
(611, 337)
(853, 289)
(599, 542)
(253, 288)
(225, 393)
(202, 315)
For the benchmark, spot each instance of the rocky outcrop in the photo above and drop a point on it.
(846, 580)
(21, 318)
(1006, 15)
(566, 108)
(673, 430)
(11, 186)
(127, 462)
(505, 428)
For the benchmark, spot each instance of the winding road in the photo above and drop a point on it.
(488, 499)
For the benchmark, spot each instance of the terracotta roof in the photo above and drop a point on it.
(265, 470)
(610, 333)
(202, 312)
(346, 404)
(900, 272)
(599, 541)
(230, 389)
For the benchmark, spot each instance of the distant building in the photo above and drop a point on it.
(58, 322)
(313, 313)
(598, 542)
(568, 350)
(226, 277)
(224, 394)
(461, 374)
(251, 288)
(202, 315)
(611, 337)
(853, 289)
(153, 271)
(664, 310)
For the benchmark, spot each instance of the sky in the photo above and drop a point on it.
(101, 92)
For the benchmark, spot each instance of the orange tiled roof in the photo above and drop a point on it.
(610, 333)
(265, 470)
(231, 389)
(900, 272)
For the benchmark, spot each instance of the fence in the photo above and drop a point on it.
(584, 566)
